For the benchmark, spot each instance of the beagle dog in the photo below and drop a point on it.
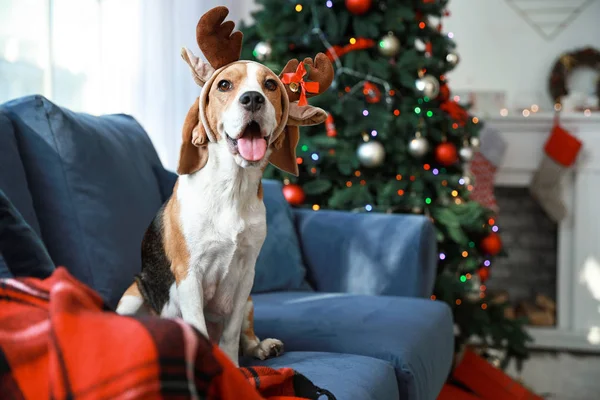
(199, 252)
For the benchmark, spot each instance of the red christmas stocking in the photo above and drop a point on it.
(560, 153)
(484, 166)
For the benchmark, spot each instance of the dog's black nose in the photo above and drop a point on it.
(252, 101)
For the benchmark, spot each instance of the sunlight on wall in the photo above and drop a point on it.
(590, 276)
(594, 335)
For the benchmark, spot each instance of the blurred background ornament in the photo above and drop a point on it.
(452, 59)
(444, 93)
(419, 44)
(419, 146)
(294, 194)
(358, 7)
(446, 154)
(466, 153)
(262, 51)
(389, 45)
(371, 154)
(330, 126)
(483, 273)
(428, 86)
(491, 244)
(372, 93)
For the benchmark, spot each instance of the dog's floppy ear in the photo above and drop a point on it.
(193, 154)
(284, 150)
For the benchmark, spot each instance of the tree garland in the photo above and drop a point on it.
(585, 57)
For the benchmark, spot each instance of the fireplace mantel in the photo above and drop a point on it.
(578, 270)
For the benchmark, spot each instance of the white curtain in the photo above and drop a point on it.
(141, 71)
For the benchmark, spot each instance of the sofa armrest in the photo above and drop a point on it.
(368, 253)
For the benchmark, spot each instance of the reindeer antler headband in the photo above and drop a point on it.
(221, 47)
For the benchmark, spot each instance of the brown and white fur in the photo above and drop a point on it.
(199, 253)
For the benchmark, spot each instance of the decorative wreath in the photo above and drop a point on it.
(586, 57)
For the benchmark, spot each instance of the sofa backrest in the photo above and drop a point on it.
(92, 184)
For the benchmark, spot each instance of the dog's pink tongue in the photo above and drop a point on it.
(252, 148)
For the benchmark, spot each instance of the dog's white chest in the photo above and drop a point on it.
(223, 239)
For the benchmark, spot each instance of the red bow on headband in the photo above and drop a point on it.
(296, 82)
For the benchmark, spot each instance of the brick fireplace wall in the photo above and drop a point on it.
(531, 240)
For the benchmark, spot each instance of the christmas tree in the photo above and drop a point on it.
(396, 140)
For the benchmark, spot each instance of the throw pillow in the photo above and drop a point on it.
(279, 266)
(21, 249)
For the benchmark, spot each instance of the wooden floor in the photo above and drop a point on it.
(562, 376)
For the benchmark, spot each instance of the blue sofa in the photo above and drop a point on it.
(347, 293)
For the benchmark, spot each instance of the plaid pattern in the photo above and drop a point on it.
(59, 340)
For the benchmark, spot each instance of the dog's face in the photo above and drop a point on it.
(245, 106)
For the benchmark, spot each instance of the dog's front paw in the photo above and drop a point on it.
(267, 348)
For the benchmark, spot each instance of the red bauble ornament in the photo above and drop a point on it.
(491, 244)
(444, 93)
(484, 274)
(294, 194)
(358, 7)
(446, 154)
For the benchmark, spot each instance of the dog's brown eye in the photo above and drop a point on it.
(271, 85)
(225, 86)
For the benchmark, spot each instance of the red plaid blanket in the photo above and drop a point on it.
(59, 340)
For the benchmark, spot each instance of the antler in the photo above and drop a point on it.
(321, 71)
(215, 38)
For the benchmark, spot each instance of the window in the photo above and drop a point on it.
(49, 47)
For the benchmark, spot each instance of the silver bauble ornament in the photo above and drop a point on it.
(452, 59)
(475, 142)
(418, 147)
(389, 45)
(466, 154)
(371, 154)
(429, 86)
(262, 51)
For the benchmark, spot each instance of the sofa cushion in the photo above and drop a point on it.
(368, 253)
(13, 180)
(415, 335)
(345, 376)
(22, 253)
(93, 187)
(279, 265)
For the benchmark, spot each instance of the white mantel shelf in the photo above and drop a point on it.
(578, 272)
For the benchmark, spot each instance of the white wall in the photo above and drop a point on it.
(500, 51)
